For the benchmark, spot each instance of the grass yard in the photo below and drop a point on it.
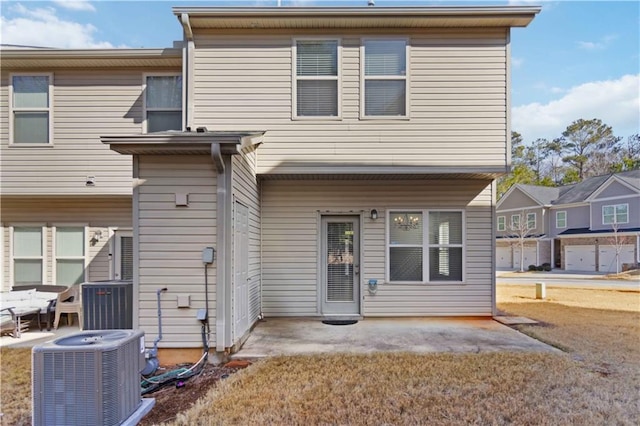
(596, 381)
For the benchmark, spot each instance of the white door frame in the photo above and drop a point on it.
(117, 253)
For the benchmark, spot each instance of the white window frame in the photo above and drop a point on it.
(513, 222)
(13, 110)
(529, 220)
(144, 97)
(425, 246)
(295, 77)
(55, 257)
(564, 212)
(502, 226)
(615, 214)
(43, 256)
(364, 77)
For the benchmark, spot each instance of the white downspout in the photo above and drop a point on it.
(188, 50)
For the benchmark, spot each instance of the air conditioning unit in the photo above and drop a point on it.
(87, 378)
(107, 305)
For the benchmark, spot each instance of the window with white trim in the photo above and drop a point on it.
(31, 109)
(561, 219)
(531, 221)
(317, 78)
(27, 255)
(502, 223)
(69, 255)
(425, 244)
(612, 214)
(515, 221)
(162, 103)
(384, 78)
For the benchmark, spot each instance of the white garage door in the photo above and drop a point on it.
(530, 257)
(503, 257)
(580, 258)
(607, 257)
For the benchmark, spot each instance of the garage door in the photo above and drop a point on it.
(503, 257)
(530, 257)
(607, 257)
(580, 258)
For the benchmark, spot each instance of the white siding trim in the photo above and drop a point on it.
(50, 109)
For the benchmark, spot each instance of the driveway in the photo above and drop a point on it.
(285, 336)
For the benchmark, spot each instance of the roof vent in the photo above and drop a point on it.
(371, 3)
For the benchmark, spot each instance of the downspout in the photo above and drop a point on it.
(494, 308)
(188, 50)
(221, 198)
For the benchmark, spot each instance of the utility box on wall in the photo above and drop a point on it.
(107, 305)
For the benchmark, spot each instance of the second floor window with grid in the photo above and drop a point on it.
(31, 109)
(316, 79)
(385, 78)
(163, 103)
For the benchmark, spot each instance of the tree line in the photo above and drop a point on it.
(586, 148)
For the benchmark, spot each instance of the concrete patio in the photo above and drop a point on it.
(288, 336)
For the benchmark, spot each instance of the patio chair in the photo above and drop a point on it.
(69, 302)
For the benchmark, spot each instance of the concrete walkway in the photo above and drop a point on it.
(35, 337)
(280, 336)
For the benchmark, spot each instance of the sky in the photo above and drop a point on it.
(576, 60)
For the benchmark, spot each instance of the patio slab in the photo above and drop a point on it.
(285, 336)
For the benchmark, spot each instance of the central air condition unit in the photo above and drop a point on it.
(107, 305)
(87, 378)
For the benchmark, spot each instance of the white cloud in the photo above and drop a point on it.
(81, 5)
(41, 27)
(603, 43)
(615, 102)
(516, 62)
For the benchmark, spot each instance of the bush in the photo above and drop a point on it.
(533, 268)
(540, 268)
(546, 267)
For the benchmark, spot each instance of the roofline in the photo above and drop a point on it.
(513, 188)
(90, 53)
(604, 185)
(357, 11)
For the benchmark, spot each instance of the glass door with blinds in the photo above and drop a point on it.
(123, 262)
(340, 260)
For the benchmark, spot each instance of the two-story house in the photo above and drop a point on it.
(592, 226)
(340, 161)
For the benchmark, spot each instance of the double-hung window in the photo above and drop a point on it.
(614, 214)
(515, 222)
(28, 255)
(31, 109)
(384, 78)
(501, 223)
(316, 78)
(425, 244)
(561, 219)
(163, 103)
(531, 221)
(70, 254)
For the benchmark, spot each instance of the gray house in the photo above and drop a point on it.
(590, 226)
(340, 161)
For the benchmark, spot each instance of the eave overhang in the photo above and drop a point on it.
(90, 58)
(184, 143)
(357, 17)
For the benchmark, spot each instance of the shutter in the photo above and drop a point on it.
(126, 258)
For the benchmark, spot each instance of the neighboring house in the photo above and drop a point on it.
(590, 226)
(340, 161)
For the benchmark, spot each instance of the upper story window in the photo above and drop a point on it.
(561, 219)
(384, 78)
(317, 78)
(531, 220)
(613, 214)
(515, 221)
(501, 223)
(163, 103)
(31, 109)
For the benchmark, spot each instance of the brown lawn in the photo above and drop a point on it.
(597, 380)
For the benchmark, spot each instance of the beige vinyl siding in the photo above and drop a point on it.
(98, 213)
(171, 239)
(457, 91)
(290, 232)
(246, 190)
(87, 104)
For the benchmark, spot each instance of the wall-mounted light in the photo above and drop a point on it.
(373, 214)
(97, 234)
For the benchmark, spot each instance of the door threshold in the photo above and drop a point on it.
(341, 317)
